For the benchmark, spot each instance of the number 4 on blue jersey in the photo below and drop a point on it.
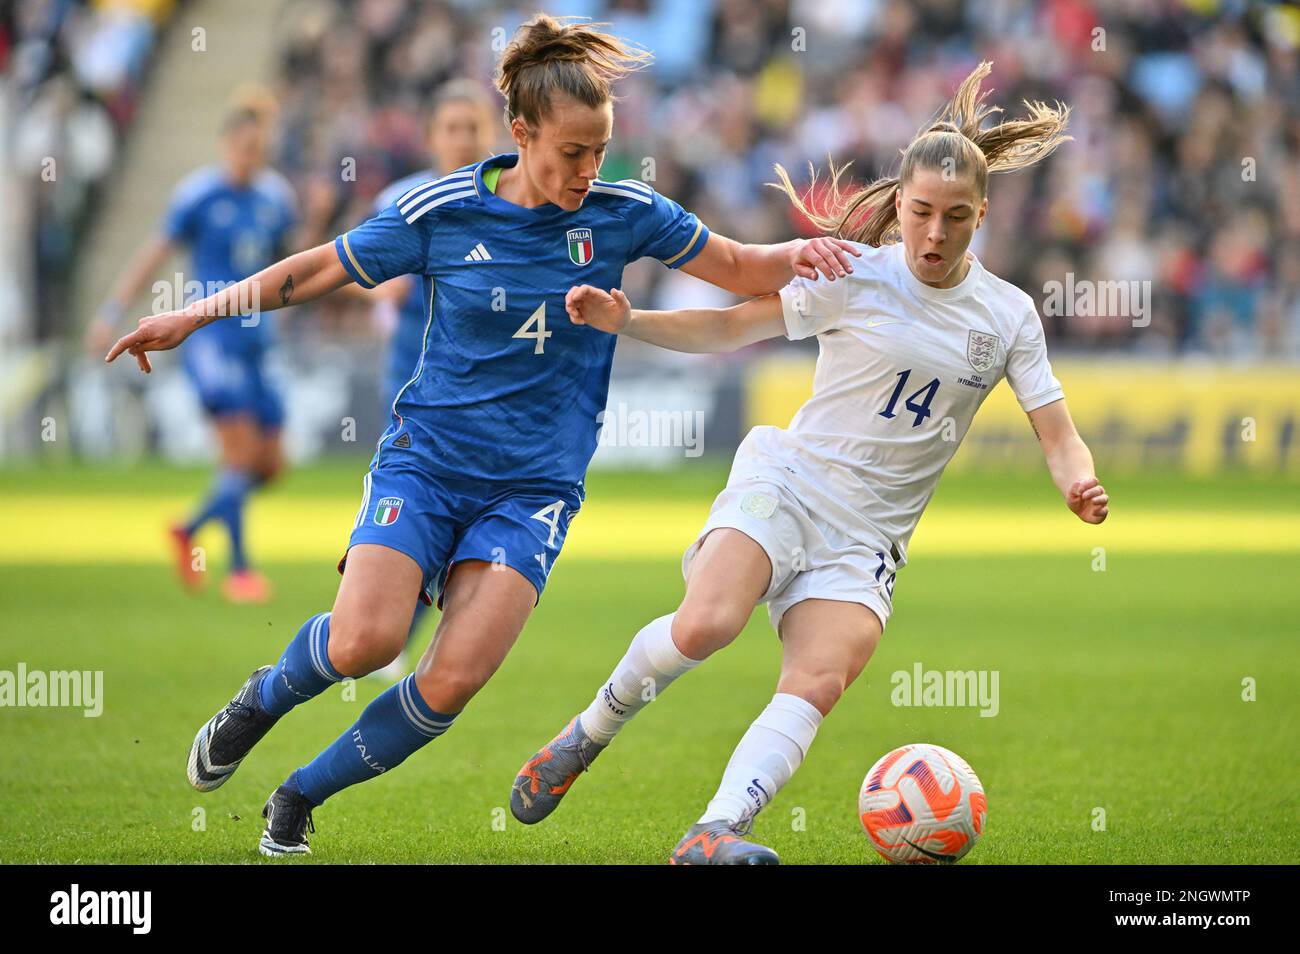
(507, 389)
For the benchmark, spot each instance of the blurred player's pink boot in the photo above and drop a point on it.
(246, 586)
(183, 548)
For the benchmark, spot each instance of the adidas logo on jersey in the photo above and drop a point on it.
(478, 254)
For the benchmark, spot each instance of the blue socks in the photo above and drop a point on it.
(396, 724)
(393, 726)
(303, 672)
(226, 503)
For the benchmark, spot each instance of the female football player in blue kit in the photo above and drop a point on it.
(473, 486)
(235, 218)
(461, 132)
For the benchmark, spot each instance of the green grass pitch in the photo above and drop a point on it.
(1120, 691)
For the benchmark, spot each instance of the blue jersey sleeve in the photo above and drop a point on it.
(285, 203)
(288, 214)
(178, 221)
(385, 246)
(664, 230)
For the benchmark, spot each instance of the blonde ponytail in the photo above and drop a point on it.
(954, 143)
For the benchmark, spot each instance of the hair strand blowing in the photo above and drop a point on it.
(952, 142)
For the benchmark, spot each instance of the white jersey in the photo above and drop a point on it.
(902, 369)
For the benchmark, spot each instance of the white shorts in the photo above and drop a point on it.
(810, 558)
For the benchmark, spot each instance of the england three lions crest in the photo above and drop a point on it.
(982, 350)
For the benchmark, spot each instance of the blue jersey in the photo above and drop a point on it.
(507, 388)
(232, 232)
(408, 337)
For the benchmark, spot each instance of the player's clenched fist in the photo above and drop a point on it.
(606, 311)
(155, 333)
(1089, 500)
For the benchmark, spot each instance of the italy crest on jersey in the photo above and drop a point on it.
(982, 350)
(387, 510)
(581, 249)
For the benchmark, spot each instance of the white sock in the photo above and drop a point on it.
(652, 662)
(765, 759)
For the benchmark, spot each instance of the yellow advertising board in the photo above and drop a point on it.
(1198, 417)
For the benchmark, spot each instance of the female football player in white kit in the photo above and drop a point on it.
(815, 519)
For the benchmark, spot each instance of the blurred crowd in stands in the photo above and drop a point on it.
(1184, 171)
(73, 74)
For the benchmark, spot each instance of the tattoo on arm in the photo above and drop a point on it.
(286, 290)
(1035, 427)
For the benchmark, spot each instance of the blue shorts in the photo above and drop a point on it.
(232, 382)
(439, 522)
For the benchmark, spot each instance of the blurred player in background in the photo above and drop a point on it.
(815, 519)
(462, 128)
(473, 486)
(462, 124)
(235, 219)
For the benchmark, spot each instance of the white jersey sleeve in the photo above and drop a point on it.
(902, 368)
(1028, 371)
(813, 307)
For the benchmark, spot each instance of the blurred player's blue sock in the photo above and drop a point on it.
(420, 610)
(304, 671)
(226, 503)
(397, 723)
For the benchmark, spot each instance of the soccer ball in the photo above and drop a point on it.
(921, 804)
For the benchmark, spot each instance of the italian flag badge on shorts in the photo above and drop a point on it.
(387, 510)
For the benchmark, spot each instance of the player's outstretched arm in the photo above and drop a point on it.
(764, 269)
(694, 330)
(1070, 462)
(103, 328)
(296, 279)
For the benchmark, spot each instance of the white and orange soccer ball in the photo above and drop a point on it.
(922, 804)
